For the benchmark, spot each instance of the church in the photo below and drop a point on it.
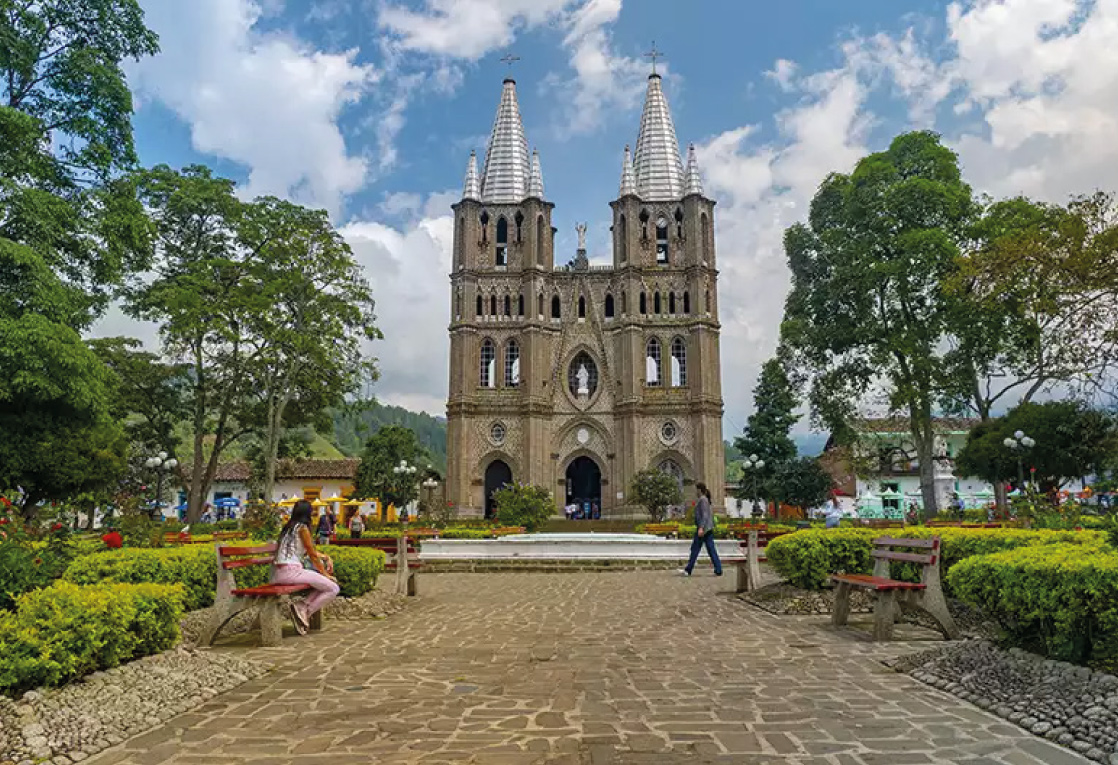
(574, 376)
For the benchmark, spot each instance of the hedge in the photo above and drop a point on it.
(66, 631)
(808, 558)
(195, 567)
(1061, 599)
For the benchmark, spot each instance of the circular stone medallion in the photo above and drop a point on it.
(583, 436)
(497, 433)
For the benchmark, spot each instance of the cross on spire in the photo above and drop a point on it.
(654, 54)
(509, 59)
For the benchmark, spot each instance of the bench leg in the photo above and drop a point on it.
(413, 584)
(223, 612)
(884, 613)
(316, 620)
(841, 610)
(271, 623)
(743, 578)
(935, 605)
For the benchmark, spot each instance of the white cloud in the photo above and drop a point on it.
(268, 101)
(406, 267)
(466, 29)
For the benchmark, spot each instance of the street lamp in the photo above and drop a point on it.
(161, 464)
(430, 485)
(752, 465)
(1017, 444)
(405, 472)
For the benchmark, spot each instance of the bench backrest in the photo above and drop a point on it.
(928, 558)
(221, 536)
(881, 523)
(232, 557)
(661, 528)
(387, 545)
(506, 530)
(176, 538)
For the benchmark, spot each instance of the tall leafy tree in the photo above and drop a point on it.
(655, 491)
(867, 305)
(803, 483)
(385, 450)
(767, 430)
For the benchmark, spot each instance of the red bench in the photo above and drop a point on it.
(395, 553)
(273, 599)
(892, 594)
(754, 540)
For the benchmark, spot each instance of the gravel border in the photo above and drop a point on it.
(72, 723)
(1070, 705)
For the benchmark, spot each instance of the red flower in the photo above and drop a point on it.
(56, 527)
(7, 502)
(3, 521)
(113, 540)
(38, 561)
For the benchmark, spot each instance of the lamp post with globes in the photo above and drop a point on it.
(1017, 444)
(430, 484)
(752, 466)
(161, 464)
(405, 474)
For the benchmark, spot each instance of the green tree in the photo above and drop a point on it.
(867, 304)
(802, 483)
(523, 505)
(767, 430)
(1072, 440)
(383, 452)
(655, 491)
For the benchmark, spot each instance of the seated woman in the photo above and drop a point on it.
(293, 547)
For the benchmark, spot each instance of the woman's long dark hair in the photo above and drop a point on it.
(702, 489)
(300, 513)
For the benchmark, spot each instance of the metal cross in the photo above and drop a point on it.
(654, 54)
(509, 59)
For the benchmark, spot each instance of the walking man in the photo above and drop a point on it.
(704, 532)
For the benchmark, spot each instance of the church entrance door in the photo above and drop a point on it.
(584, 487)
(496, 476)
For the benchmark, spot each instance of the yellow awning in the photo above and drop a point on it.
(335, 498)
(288, 502)
(320, 503)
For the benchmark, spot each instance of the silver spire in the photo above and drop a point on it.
(694, 180)
(628, 180)
(658, 168)
(535, 181)
(505, 178)
(470, 188)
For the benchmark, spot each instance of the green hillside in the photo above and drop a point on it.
(351, 431)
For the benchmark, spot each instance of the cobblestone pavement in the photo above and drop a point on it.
(584, 669)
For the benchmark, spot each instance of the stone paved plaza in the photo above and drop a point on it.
(591, 668)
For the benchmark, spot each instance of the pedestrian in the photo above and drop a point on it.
(704, 532)
(293, 548)
(325, 528)
(834, 513)
(356, 526)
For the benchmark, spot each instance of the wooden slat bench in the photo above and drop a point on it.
(228, 536)
(272, 599)
(176, 538)
(661, 529)
(879, 523)
(395, 552)
(892, 594)
(505, 531)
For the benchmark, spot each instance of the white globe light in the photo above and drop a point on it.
(171, 464)
(1019, 434)
(162, 455)
(151, 462)
(1010, 443)
(760, 463)
(752, 457)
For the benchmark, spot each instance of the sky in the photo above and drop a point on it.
(369, 109)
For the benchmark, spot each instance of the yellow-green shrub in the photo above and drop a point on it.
(356, 568)
(808, 558)
(66, 631)
(1058, 599)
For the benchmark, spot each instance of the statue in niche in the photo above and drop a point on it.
(583, 378)
(581, 229)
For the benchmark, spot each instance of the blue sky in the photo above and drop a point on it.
(369, 108)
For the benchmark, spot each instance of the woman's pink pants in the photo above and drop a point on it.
(325, 588)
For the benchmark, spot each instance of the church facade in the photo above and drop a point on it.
(575, 377)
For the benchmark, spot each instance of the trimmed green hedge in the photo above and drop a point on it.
(66, 631)
(195, 567)
(1060, 599)
(808, 558)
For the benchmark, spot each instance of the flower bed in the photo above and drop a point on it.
(195, 567)
(66, 631)
(808, 558)
(1060, 600)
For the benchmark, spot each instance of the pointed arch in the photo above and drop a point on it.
(622, 239)
(644, 303)
(512, 363)
(483, 219)
(704, 234)
(460, 243)
(662, 256)
(539, 243)
(644, 224)
(492, 305)
(653, 363)
(502, 241)
(708, 304)
(487, 374)
(624, 302)
(555, 312)
(581, 307)
(679, 362)
(671, 302)
(609, 306)
(458, 304)
(519, 221)
(686, 302)
(480, 307)
(520, 305)
(539, 305)
(656, 305)
(679, 222)
(508, 305)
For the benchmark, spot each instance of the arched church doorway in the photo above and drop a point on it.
(496, 475)
(584, 486)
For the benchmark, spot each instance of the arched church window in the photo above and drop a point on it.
(704, 230)
(624, 302)
(508, 306)
(539, 305)
(581, 307)
(671, 302)
(460, 242)
(644, 224)
(672, 468)
(582, 375)
(709, 306)
(512, 364)
(519, 219)
(643, 304)
(502, 241)
(488, 376)
(609, 306)
(492, 305)
(679, 223)
(520, 305)
(679, 362)
(555, 307)
(622, 239)
(458, 304)
(480, 308)
(653, 363)
(656, 303)
(484, 221)
(686, 302)
(539, 244)
(662, 241)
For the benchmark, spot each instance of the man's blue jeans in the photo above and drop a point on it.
(697, 544)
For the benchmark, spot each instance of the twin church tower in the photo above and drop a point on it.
(575, 377)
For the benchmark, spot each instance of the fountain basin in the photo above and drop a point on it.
(566, 546)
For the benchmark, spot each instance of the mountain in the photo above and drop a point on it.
(352, 430)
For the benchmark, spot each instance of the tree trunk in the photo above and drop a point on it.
(923, 434)
(275, 418)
